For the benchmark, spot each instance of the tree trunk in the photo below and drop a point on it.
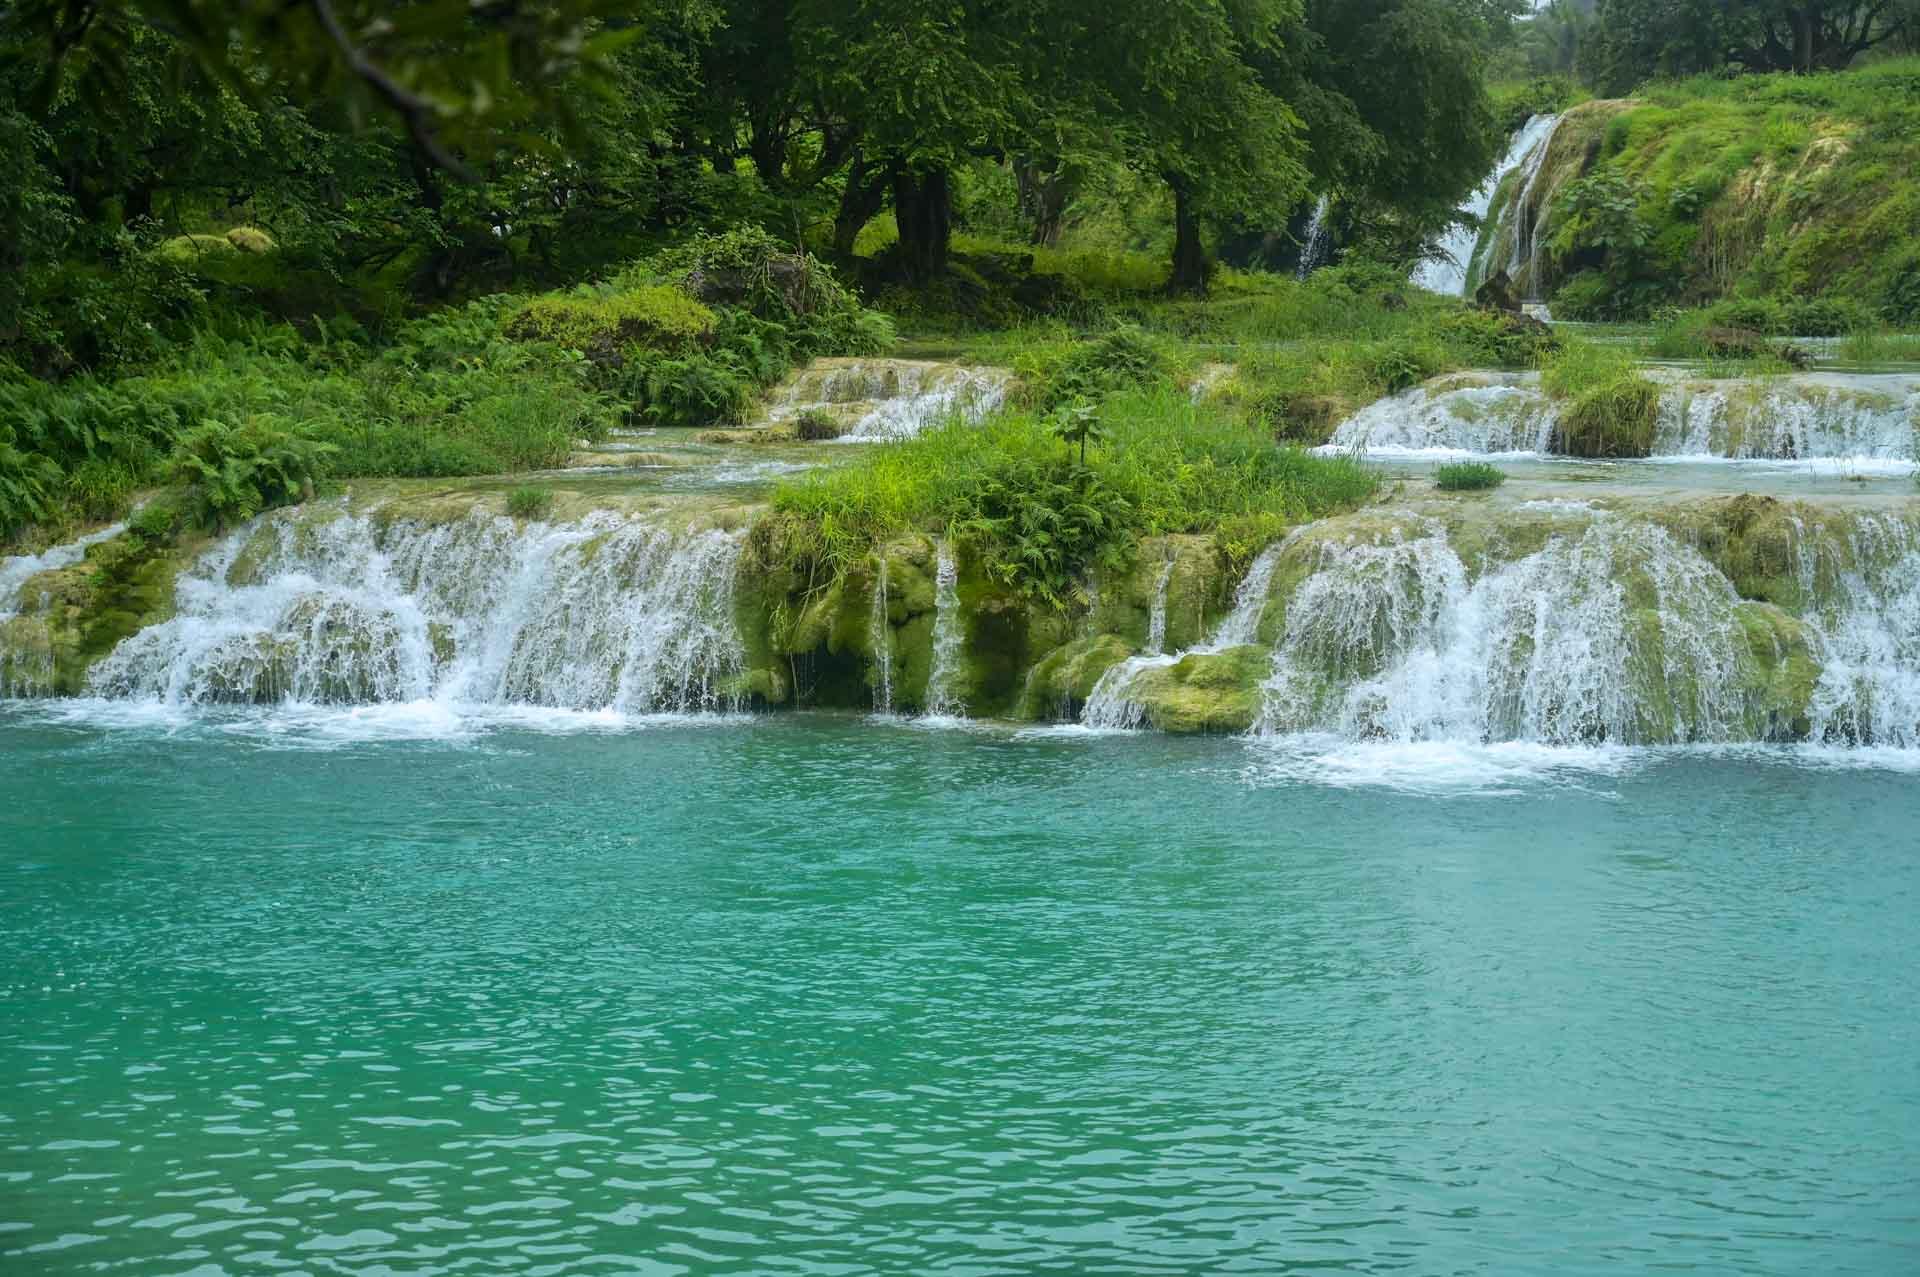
(865, 195)
(1190, 265)
(923, 206)
(1043, 198)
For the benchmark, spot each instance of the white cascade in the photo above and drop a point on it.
(17, 569)
(1109, 704)
(1864, 592)
(1528, 232)
(1612, 632)
(1479, 413)
(610, 613)
(1447, 273)
(1315, 252)
(1813, 416)
(886, 399)
(943, 700)
(880, 638)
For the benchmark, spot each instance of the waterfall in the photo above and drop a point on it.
(1490, 412)
(1612, 632)
(1447, 273)
(942, 697)
(1108, 704)
(883, 399)
(16, 570)
(1809, 416)
(1319, 242)
(1820, 416)
(608, 613)
(1527, 232)
(1864, 588)
(880, 637)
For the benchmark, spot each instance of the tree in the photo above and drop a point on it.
(1636, 40)
(443, 69)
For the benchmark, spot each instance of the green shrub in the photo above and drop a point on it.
(1178, 466)
(1759, 314)
(1122, 359)
(1583, 366)
(1467, 476)
(233, 473)
(1045, 524)
(1824, 317)
(531, 503)
(816, 426)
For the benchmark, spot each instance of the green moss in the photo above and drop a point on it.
(1212, 693)
(1785, 671)
(603, 323)
(1060, 683)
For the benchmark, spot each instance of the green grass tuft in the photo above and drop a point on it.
(1467, 476)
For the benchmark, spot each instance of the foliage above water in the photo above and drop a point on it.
(1041, 517)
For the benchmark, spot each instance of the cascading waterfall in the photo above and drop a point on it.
(16, 570)
(1526, 233)
(1864, 584)
(1448, 274)
(943, 700)
(1480, 413)
(1318, 246)
(882, 399)
(610, 613)
(1109, 704)
(880, 637)
(1818, 416)
(1612, 632)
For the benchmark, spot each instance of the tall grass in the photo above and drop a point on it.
(1178, 466)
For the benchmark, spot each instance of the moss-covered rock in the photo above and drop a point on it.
(1058, 686)
(83, 611)
(602, 325)
(1205, 692)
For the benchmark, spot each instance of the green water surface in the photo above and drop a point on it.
(820, 996)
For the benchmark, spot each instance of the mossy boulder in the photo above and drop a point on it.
(604, 325)
(1751, 539)
(1205, 692)
(1058, 686)
(1785, 671)
(83, 611)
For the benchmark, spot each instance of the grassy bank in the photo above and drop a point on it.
(1789, 191)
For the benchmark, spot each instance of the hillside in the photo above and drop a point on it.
(1767, 187)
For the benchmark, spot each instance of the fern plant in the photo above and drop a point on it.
(232, 473)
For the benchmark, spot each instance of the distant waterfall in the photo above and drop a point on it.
(1449, 272)
(607, 613)
(883, 399)
(1318, 246)
(1820, 416)
(943, 699)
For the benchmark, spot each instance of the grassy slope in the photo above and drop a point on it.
(1779, 186)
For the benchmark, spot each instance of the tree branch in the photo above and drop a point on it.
(417, 111)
